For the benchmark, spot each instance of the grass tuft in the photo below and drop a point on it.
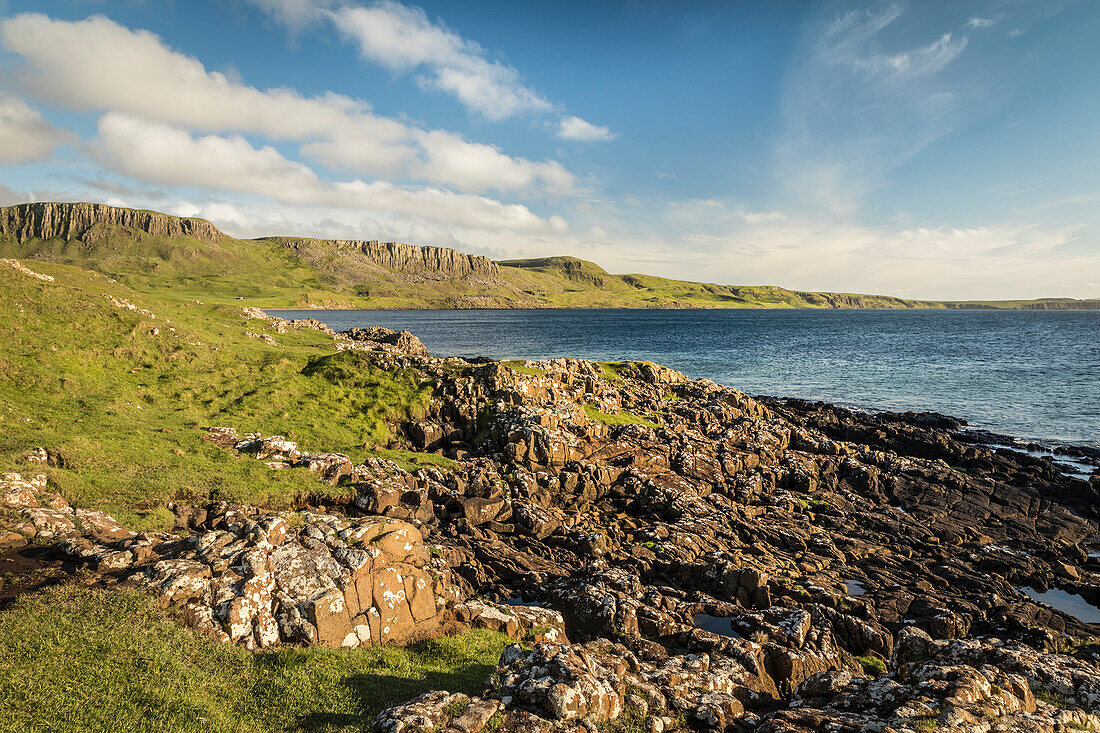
(625, 417)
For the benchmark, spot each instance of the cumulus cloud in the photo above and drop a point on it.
(574, 128)
(402, 38)
(97, 64)
(447, 157)
(166, 155)
(25, 135)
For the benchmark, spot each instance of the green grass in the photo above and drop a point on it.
(611, 370)
(872, 665)
(93, 383)
(82, 659)
(625, 417)
(1053, 698)
(520, 368)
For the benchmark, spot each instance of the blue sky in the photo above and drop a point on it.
(924, 149)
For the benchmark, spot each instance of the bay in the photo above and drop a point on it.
(1029, 374)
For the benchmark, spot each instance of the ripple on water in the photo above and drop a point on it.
(854, 587)
(1068, 603)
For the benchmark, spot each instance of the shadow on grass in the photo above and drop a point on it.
(363, 693)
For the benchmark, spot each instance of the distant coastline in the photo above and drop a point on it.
(193, 258)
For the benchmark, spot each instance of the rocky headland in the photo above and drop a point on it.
(667, 553)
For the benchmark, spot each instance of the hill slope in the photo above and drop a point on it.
(154, 252)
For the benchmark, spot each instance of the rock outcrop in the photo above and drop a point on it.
(256, 580)
(377, 338)
(72, 220)
(410, 259)
(672, 553)
(20, 267)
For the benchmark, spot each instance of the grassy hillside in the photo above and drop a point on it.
(118, 394)
(586, 281)
(290, 272)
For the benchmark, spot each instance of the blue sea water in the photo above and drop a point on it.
(1029, 374)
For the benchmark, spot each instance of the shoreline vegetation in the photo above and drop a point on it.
(190, 258)
(215, 519)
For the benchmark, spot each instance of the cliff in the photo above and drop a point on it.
(71, 220)
(406, 258)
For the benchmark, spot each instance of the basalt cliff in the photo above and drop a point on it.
(68, 221)
(668, 554)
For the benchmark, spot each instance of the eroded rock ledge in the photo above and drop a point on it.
(690, 558)
(78, 220)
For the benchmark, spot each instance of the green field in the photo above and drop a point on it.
(118, 396)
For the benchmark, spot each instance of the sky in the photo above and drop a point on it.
(923, 149)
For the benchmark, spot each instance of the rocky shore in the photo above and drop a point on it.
(667, 553)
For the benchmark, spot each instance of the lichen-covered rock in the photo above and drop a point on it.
(47, 516)
(253, 579)
(562, 682)
(377, 338)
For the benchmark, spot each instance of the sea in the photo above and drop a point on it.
(1032, 375)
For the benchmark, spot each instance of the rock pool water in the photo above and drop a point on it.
(1070, 603)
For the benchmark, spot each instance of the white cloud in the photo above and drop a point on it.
(96, 64)
(574, 128)
(856, 107)
(1009, 260)
(25, 135)
(404, 38)
(753, 217)
(166, 155)
(977, 22)
(295, 14)
(448, 157)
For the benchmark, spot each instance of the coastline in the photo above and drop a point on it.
(726, 347)
(602, 528)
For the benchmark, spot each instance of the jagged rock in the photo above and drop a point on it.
(407, 258)
(331, 466)
(256, 581)
(562, 682)
(377, 338)
(265, 448)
